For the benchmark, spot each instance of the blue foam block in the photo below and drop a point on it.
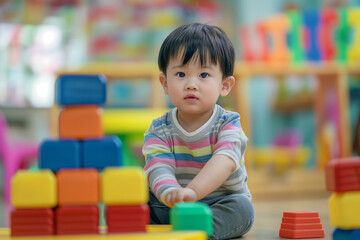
(80, 89)
(342, 234)
(58, 154)
(101, 153)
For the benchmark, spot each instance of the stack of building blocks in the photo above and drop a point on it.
(343, 179)
(301, 224)
(62, 197)
(192, 216)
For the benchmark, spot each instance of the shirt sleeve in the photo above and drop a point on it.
(231, 139)
(160, 163)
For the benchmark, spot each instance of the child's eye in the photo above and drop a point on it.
(204, 75)
(180, 74)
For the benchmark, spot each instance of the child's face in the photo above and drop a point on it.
(192, 88)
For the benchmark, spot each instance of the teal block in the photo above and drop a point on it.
(192, 216)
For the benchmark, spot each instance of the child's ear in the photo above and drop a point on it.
(163, 82)
(227, 84)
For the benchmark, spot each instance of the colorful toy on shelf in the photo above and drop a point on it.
(354, 22)
(192, 216)
(296, 37)
(328, 19)
(343, 178)
(312, 35)
(277, 28)
(341, 36)
(264, 53)
(312, 22)
(301, 224)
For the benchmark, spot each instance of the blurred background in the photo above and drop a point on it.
(297, 90)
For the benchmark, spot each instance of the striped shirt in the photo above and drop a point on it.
(175, 156)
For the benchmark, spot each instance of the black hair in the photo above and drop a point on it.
(205, 41)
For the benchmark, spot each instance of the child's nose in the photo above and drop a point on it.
(191, 84)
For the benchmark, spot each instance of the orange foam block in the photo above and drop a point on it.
(77, 187)
(81, 122)
(301, 224)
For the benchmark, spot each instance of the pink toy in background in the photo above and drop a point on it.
(288, 138)
(14, 156)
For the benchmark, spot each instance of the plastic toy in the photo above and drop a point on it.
(343, 175)
(345, 210)
(77, 187)
(131, 218)
(81, 122)
(296, 44)
(248, 54)
(34, 189)
(77, 220)
(301, 224)
(341, 234)
(192, 216)
(101, 153)
(264, 54)
(277, 28)
(14, 155)
(80, 89)
(32, 222)
(354, 22)
(342, 35)
(124, 186)
(57, 154)
(328, 19)
(312, 22)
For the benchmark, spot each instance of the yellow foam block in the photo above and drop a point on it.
(34, 189)
(345, 210)
(124, 186)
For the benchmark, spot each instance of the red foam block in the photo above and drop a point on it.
(77, 220)
(32, 222)
(343, 174)
(127, 218)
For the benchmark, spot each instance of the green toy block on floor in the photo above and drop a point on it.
(192, 216)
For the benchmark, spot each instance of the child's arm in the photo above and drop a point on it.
(215, 172)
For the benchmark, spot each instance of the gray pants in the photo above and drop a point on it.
(233, 215)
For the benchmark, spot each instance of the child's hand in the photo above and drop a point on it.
(180, 195)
